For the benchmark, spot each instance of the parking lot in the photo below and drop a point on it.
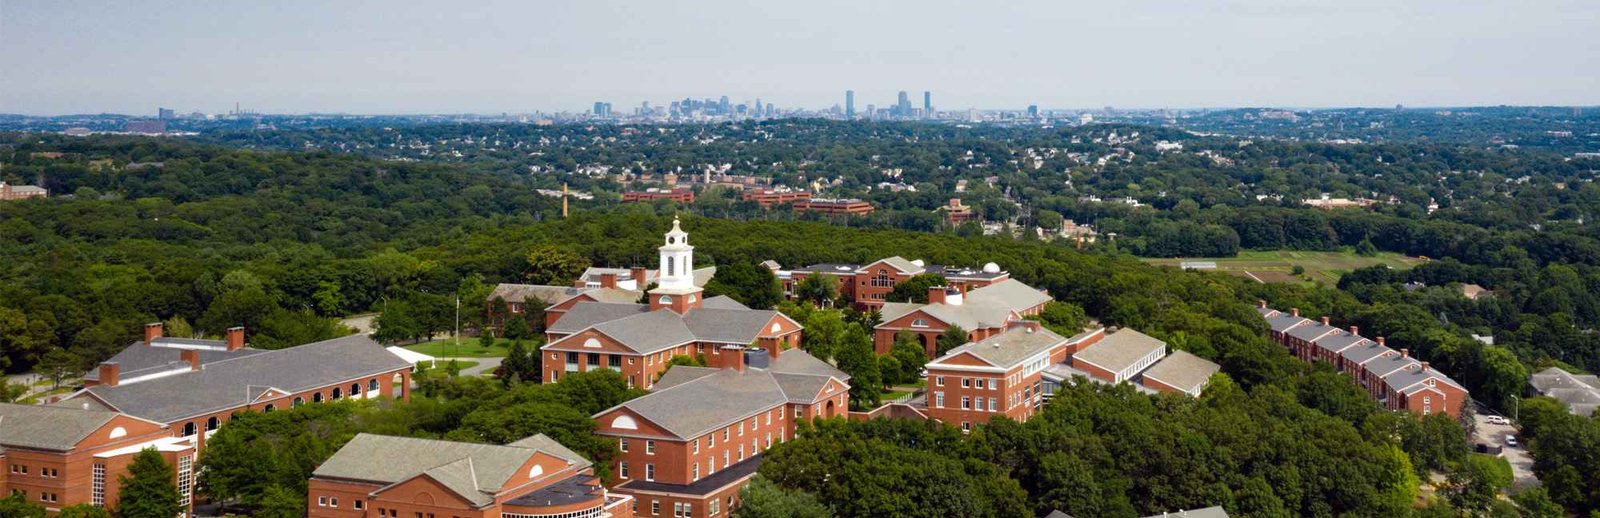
(1521, 463)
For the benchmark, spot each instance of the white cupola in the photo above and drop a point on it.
(677, 260)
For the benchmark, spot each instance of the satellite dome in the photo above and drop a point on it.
(991, 268)
(918, 262)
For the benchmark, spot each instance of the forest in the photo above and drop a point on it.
(206, 237)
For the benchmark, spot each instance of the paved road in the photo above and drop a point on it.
(485, 366)
(1521, 462)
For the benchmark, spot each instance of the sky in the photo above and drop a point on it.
(406, 57)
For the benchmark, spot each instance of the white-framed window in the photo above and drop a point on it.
(622, 444)
(655, 508)
(650, 472)
(966, 402)
(938, 381)
(185, 479)
(649, 447)
(622, 469)
(322, 501)
(919, 323)
(333, 502)
(994, 405)
(694, 471)
(966, 382)
(696, 446)
(938, 399)
(97, 496)
(358, 505)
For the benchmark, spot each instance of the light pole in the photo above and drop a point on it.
(1516, 404)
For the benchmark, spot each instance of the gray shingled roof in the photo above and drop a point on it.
(1339, 341)
(1009, 348)
(722, 302)
(48, 427)
(1412, 380)
(139, 358)
(584, 315)
(1266, 312)
(1284, 321)
(798, 361)
(899, 263)
(1366, 351)
(231, 383)
(1208, 512)
(681, 408)
(545, 293)
(1580, 392)
(735, 326)
(1120, 350)
(1010, 293)
(1182, 370)
(1311, 331)
(473, 471)
(1388, 365)
(648, 332)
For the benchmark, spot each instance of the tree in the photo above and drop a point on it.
(551, 264)
(1064, 318)
(817, 288)
(951, 338)
(17, 506)
(911, 358)
(1475, 484)
(751, 284)
(10, 393)
(915, 289)
(281, 502)
(398, 321)
(79, 511)
(1535, 502)
(242, 300)
(148, 490)
(763, 499)
(58, 364)
(856, 358)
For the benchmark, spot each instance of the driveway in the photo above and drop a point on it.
(1521, 462)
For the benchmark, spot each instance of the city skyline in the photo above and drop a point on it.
(419, 58)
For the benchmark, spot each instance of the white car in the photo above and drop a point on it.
(1494, 419)
(1511, 440)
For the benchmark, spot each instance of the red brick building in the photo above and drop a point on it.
(390, 477)
(981, 312)
(1394, 378)
(1001, 375)
(59, 456)
(957, 213)
(834, 207)
(768, 198)
(869, 285)
(653, 194)
(689, 446)
(17, 192)
(194, 386)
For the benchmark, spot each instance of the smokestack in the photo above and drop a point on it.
(152, 331)
(235, 338)
(608, 280)
(936, 294)
(192, 356)
(108, 373)
(732, 357)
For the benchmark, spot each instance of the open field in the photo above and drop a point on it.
(468, 348)
(1277, 265)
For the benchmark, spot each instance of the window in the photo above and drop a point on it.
(298, 401)
(966, 382)
(186, 479)
(938, 399)
(655, 507)
(372, 385)
(316, 398)
(724, 435)
(338, 392)
(358, 505)
(966, 402)
(741, 428)
(355, 389)
(919, 323)
(697, 446)
(615, 361)
(213, 423)
(694, 471)
(322, 501)
(993, 405)
(622, 469)
(938, 381)
(594, 359)
(966, 426)
(188, 429)
(269, 408)
(713, 507)
(572, 359)
(741, 452)
(97, 496)
(622, 445)
(664, 300)
(650, 472)
(711, 440)
(649, 447)
(333, 502)
(769, 418)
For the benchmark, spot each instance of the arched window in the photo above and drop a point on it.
(372, 385)
(316, 398)
(269, 408)
(665, 300)
(188, 428)
(355, 389)
(211, 424)
(299, 401)
(337, 392)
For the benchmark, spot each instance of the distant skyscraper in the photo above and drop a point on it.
(725, 106)
(1033, 111)
(599, 109)
(166, 113)
(903, 105)
(850, 104)
(927, 103)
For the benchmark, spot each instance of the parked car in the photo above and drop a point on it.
(1494, 419)
(1511, 440)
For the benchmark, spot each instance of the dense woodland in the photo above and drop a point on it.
(284, 243)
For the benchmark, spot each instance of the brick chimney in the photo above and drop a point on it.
(108, 373)
(580, 283)
(1325, 320)
(639, 277)
(192, 356)
(1424, 366)
(936, 294)
(1380, 340)
(1261, 303)
(1294, 311)
(152, 331)
(235, 338)
(1355, 331)
(731, 357)
(608, 280)
(1405, 353)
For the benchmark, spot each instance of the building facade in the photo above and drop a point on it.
(834, 207)
(60, 456)
(981, 312)
(869, 285)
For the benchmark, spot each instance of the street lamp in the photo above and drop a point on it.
(1515, 405)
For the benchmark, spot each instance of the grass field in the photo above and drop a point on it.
(1277, 265)
(446, 348)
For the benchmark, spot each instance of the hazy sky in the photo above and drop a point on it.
(489, 57)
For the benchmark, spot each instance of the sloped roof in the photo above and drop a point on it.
(898, 263)
(584, 315)
(1311, 330)
(1182, 370)
(474, 471)
(1120, 350)
(737, 326)
(1339, 341)
(1365, 351)
(1009, 348)
(1266, 312)
(235, 382)
(681, 408)
(1010, 293)
(1412, 380)
(798, 361)
(545, 293)
(57, 428)
(648, 332)
(1388, 365)
(1282, 322)
(722, 302)
(140, 358)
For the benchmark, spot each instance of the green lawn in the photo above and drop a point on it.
(440, 366)
(468, 348)
(1277, 265)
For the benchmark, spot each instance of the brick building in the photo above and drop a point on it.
(957, 213)
(689, 446)
(194, 386)
(981, 312)
(653, 194)
(834, 207)
(596, 284)
(869, 285)
(17, 192)
(769, 198)
(390, 477)
(1394, 378)
(637, 340)
(59, 456)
